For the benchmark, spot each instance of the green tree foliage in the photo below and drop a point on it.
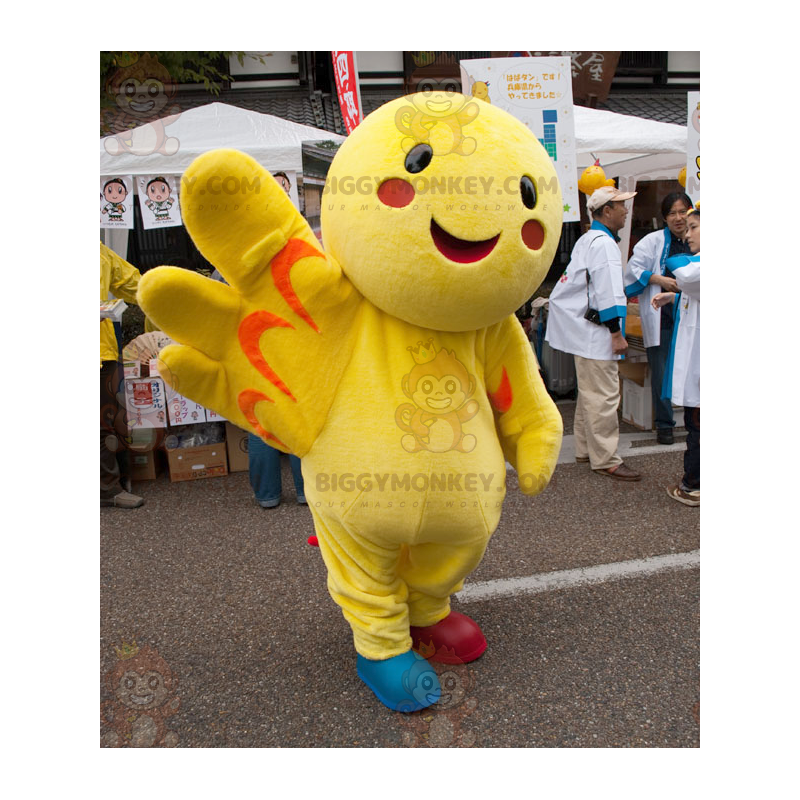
(206, 68)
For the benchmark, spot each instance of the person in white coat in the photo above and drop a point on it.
(682, 383)
(647, 274)
(586, 308)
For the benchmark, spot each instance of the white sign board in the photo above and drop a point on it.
(146, 403)
(538, 92)
(159, 201)
(693, 147)
(116, 201)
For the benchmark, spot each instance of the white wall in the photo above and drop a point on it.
(683, 60)
(275, 62)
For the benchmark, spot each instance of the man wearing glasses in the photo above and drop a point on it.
(647, 274)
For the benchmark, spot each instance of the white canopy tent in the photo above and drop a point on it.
(274, 142)
(624, 144)
(629, 148)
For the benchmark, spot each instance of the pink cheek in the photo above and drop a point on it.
(533, 234)
(396, 193)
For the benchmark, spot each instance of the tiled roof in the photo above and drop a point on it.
(659, 106)
(319, 110)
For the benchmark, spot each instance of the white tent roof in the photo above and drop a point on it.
(272, 141)
(624, 144)
(620, 141)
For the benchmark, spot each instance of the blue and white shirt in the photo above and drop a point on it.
(593, 278)
(682, 376)
(650, 258)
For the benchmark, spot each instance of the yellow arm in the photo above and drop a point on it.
(528, 422)
(268, 349)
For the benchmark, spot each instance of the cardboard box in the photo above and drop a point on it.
(145, 464)
(236, 442)
(191, 463)
(636, 371)
(637, 397)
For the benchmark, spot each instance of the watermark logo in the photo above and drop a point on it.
(437, 119)
(439, 387)
(143, 688)
(444, 724)
(142, 92)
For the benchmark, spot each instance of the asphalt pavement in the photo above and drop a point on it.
(588, 596)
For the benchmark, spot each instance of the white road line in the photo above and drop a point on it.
(572, 578)
(626, 446)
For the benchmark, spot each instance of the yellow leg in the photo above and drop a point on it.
(363, 581)
(432, 573)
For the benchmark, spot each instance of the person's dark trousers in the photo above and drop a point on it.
(657, 359)
(691, 458)
(112, 430)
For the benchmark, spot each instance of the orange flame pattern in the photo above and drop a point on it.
(503, 397)
(255, 324)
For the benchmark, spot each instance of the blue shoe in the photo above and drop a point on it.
(403, 683)
(270, 503)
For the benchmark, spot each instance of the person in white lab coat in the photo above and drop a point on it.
(646, 274)
(586, 308)
(682, 381)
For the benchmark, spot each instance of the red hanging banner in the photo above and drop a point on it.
(344, 70)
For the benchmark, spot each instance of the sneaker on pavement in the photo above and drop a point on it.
(270, 503)
(302, 500)
(123, 500)
(683, 496)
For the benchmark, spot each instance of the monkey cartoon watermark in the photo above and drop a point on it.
(444, 724)
(143, 688)
(142, 92)
(439, 387)
(436, 120)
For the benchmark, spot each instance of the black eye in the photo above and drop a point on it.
(528, 191)
(418, 158)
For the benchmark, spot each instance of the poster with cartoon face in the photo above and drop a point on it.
(159, 201)
(116, 201)
(693, 146)
(288, 181)
(538, 92)
(146, 403)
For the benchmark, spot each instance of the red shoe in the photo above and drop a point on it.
(456, 639)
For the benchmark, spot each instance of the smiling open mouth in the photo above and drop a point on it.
(460, 250)
(439, 403)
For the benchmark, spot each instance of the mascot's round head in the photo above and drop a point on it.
(445, 218)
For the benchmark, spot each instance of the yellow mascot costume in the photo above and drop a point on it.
(391, 362)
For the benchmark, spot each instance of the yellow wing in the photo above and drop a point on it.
(268, 349)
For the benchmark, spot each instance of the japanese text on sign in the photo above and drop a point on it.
(346, 87)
